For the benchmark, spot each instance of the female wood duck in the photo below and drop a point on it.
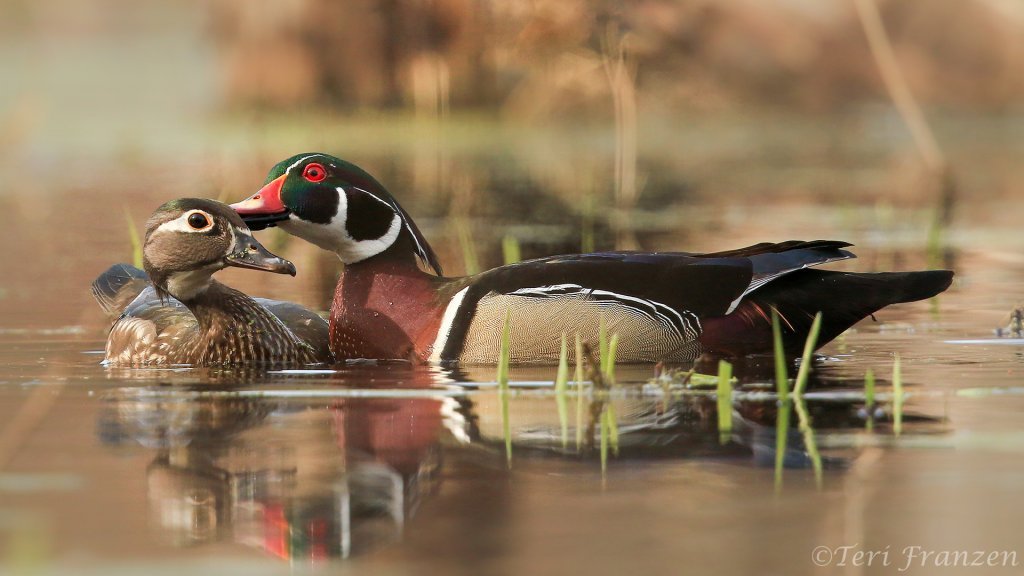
(187, 317)
(664, 306)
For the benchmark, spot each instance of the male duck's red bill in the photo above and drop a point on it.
(265, 207)
(664, 306)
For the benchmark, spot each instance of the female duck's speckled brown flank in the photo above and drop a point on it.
(186, 317)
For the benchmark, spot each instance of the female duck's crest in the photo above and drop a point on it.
(336, 206)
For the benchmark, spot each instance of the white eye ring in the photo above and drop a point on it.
(201, 224)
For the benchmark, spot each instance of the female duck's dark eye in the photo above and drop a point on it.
(314, 172)
(198, 220)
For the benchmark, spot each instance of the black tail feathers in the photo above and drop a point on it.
(843, 298)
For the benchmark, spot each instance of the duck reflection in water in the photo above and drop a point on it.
(312, 478)
(303, 481)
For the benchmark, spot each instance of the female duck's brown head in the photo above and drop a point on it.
(189, 239)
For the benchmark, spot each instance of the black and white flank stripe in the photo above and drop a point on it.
(538, 316)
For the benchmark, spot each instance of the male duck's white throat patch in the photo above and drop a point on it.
(334, 236)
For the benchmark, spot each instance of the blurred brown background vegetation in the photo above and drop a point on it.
(568, 124)
(543, 58)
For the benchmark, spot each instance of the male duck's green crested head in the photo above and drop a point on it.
(337, 206)
(189, 239)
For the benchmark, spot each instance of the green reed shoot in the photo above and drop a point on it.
(603, 382)
(781, 439)
(136, 240)
(897, 400)
(724, 400)
(804, 373)
(800, 406)
(695, 379)
(784, 406)
(579, 392)
(808, 433)
(609, 409)
(869, 399)
(561, 385)
(468, 245)
(510, 249)
(504, 359)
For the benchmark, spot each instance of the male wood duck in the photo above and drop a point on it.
(665, 306)
(187, 317)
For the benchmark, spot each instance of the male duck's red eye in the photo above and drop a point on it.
(314, 172)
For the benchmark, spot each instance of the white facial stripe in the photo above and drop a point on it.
(335, 237)
(419, 247)
(180, 224)
(354, 251)
(299, 161)
(446, 324)
(370, 194)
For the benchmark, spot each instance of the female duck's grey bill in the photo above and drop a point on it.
(257, 222)
(249, 253)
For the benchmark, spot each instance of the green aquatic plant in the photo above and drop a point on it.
(609, 409)
(800, 405)
(686, 378)
(510, 249)
(561, 389)
(504, 359)
(579, 392)
(810, 442)
(469, 259)
(784, 406)
(136, 240)
(803, 374)
(724, 400)
(781, 439)
(602, 414)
